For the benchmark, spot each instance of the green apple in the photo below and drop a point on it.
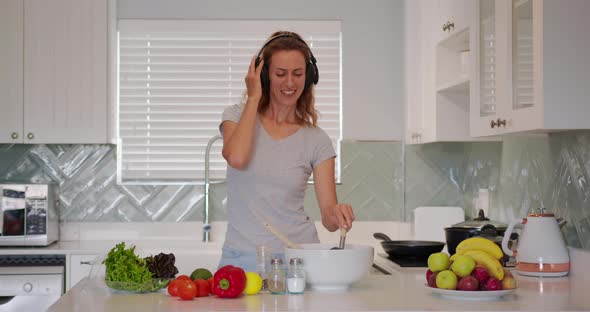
(446, 280)
(463, 265)
(438, 261)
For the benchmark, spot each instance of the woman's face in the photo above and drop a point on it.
(287, 77)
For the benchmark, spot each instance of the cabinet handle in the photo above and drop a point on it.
(30, 136)
(451, 26)
(501, 122)
(493, 124)
(14, 135)
(86, 262)
(448, 26)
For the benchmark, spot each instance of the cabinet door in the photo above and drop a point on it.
(65, 71)
(80, 266)
(11, 71)
(485, 95)
(522, 111)
(413, 71)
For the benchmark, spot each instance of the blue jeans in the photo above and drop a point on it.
(243, 259)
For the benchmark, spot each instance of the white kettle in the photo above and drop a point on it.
(541, 249)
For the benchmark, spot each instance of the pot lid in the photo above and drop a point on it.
(541, 213)
(479, 223)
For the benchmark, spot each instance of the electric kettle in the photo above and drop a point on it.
(541, 250)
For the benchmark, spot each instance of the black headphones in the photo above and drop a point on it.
(311, 71)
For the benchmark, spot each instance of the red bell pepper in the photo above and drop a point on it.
(230, 281)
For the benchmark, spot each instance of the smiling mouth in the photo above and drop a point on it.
(289, 92)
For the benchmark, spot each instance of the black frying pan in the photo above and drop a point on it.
(408, 248)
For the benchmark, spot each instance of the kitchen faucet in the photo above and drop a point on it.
(206, 225)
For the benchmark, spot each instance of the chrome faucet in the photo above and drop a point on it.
(206, 225)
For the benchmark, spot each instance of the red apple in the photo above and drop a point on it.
(493, 284)
(468, 283)
(481, 274)
(428, 273)
(432, 280)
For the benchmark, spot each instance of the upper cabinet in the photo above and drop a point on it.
(438, 71)
(11, 70)
(531, 66)
(55, 85)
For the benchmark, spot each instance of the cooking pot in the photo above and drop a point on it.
(408, 248)
(480, 226)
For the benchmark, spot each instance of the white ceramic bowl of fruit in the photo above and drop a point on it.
(333, 270)
(474, 272)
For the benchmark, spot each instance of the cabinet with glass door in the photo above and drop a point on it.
(530, 67)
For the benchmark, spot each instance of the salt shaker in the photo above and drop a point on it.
(296, 276)
(277, 277)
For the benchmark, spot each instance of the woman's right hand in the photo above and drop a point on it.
(253, 83)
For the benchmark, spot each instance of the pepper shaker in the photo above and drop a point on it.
(277, 277)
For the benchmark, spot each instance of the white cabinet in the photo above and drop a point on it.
(11, 70)
(531, 66)
(58, 70)
(437, 73)
(79, 267)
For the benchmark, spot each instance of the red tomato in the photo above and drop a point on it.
(187, 290)
(173, 288)
(184, 277)
(211, 285)
(202, 287)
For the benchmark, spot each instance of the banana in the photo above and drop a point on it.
(480, 243)
(491, 264)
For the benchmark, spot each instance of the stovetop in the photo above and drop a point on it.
(409, 262)
(389, 265)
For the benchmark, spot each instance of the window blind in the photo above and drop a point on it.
(177, 76)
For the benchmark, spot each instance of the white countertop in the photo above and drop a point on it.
(404, 290)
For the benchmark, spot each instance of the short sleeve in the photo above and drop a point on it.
(232, 113)
(323, 148)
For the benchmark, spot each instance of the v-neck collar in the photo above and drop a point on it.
(263, 129)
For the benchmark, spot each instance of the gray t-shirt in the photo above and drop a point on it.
(272, 187)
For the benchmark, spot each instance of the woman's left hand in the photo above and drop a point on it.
(345, 216)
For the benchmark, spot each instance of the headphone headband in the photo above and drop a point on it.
(312, 74)
(271, 39)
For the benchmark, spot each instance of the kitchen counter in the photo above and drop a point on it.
(404, 290)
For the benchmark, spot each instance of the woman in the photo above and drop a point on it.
(272, 145)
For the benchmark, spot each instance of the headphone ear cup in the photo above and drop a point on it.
(311, 75)
(264, 78)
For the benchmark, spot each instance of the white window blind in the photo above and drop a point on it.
(177, 76)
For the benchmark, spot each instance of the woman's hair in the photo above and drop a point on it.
(305, 113)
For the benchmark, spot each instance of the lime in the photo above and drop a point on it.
(253, 283)
(201, 273)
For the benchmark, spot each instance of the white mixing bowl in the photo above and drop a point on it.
(333, 269)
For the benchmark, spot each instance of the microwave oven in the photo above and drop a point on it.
(28, 214)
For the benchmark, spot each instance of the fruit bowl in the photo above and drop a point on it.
(152, 285)
(485, 295)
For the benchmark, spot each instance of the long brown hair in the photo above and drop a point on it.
(305, 112)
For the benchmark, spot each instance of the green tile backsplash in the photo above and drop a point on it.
(384, 181)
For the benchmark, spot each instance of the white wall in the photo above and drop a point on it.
(372, 38)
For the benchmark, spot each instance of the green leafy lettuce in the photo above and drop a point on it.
(125, 268)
